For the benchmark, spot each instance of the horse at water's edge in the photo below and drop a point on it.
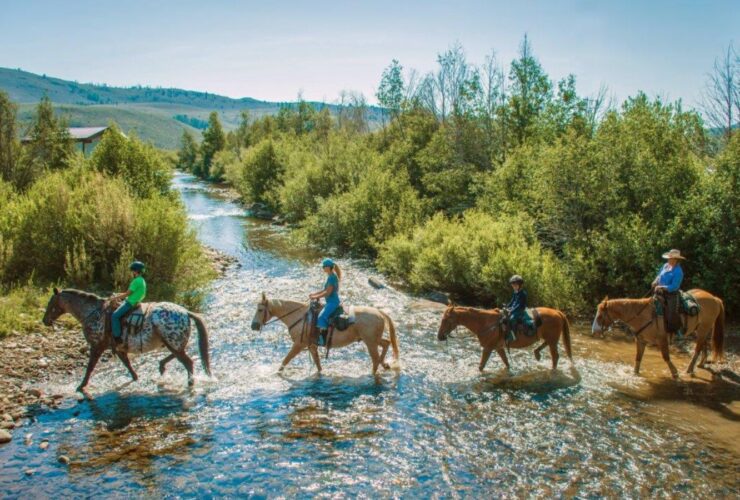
(369, 326)
(165, 325)
(641, 317)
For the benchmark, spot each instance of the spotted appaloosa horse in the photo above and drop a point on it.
(165, 325)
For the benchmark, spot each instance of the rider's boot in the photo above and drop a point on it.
(321, 342)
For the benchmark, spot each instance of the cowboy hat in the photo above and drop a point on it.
(673, 254)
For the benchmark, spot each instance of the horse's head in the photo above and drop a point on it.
(54, 308)
(602, 320)
(449, 322)
(262, 315)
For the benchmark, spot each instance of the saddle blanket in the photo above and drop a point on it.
(688, 303)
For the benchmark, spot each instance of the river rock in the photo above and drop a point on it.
(375, 283)
(35, 392)
(44, 445)
(63, 459)
(7, 425)
(29, 472)
(7, 416)
(440, 297)
(5, 436)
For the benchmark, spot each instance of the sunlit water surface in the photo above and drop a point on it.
(432, 426)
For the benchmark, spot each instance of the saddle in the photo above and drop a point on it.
(131, 323)
(673, 305)
(338, 320)
(524, 324)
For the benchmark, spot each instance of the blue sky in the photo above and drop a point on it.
(273, 50)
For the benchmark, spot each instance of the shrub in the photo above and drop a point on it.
(473, 257)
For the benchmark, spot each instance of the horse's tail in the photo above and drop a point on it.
(202, 341)
(392, 332)
(566, 336)
(718, 335)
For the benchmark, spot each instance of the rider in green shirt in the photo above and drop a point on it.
(135, 294)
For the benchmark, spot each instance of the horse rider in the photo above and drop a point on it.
(666, 287)
(134, 295)
(331, 293)
(517, 305)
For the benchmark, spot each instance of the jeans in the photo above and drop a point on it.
(323, 320)
(117, 315)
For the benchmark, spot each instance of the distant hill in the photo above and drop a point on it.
(158, 115)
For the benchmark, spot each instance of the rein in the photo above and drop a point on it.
(278, 318)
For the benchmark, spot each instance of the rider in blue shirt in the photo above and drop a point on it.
(667, 285)
(331, 293)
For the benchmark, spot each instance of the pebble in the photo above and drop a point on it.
(7, 417)
(27, 439)
(35, 392)
(63, 459)
(44, 445)
(7, 425)
(29, 472)
(5, 436)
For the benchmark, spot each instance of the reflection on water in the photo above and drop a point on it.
(433, 427)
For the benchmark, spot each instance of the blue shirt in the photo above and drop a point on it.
(332, 280)
(670, 277)
(518, 301)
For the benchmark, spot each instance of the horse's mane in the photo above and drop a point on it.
(82, 294)
(629, 302)
(476, 310)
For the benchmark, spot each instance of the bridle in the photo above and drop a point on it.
(266, 314)
(610, 321)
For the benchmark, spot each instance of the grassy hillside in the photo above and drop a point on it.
(158, 115)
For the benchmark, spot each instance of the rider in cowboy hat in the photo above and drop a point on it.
(666, 286)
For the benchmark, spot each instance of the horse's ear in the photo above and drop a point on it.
(56, 291)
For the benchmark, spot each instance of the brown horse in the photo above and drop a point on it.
(486, 325)
(165, 325)
(368, 327)
(642, 319)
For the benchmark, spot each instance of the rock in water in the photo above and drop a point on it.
(44, 445)
(63, 459)
(35, 392)
(375, 283)
(5, 436)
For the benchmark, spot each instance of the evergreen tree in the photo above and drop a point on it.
(187, 156)
(531, 91)
(391, 90)
(8, 139)
(50, 144)
(214, 141)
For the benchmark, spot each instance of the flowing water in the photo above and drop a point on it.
(432, 426)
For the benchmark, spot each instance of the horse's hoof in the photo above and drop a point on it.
(191, 382)
(386, 366)
(80, 388)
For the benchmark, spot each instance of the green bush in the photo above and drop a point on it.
(473, 258)
(139, 165)
(382, 205)
(259, 174)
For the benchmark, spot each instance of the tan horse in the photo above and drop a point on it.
(486, 325)
(368, 327)
(641, 318)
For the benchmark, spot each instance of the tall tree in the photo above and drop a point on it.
(390, 93)
(8, 138)
(50, 143)
(531, 90)
(243, 134)
(214, 141)
(187, 156)
(722, 94)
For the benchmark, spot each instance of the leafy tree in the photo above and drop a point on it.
(530, 92)
(187, 155)
(390, 92)
(214, 141)
(9, 147)
(49, 142)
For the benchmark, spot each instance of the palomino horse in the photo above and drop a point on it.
(641, 318)
(368, 327)
(486, 325)
(165, 325)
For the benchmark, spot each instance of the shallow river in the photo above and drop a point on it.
(433, 426)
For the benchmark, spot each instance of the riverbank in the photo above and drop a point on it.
(30, 360)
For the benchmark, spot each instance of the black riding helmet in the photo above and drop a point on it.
(516, 279)
(137, 266)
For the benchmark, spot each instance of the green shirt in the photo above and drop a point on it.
(137, 289)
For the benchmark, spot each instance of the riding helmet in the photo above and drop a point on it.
(516, 279)
(327, 263)
(137, 266)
